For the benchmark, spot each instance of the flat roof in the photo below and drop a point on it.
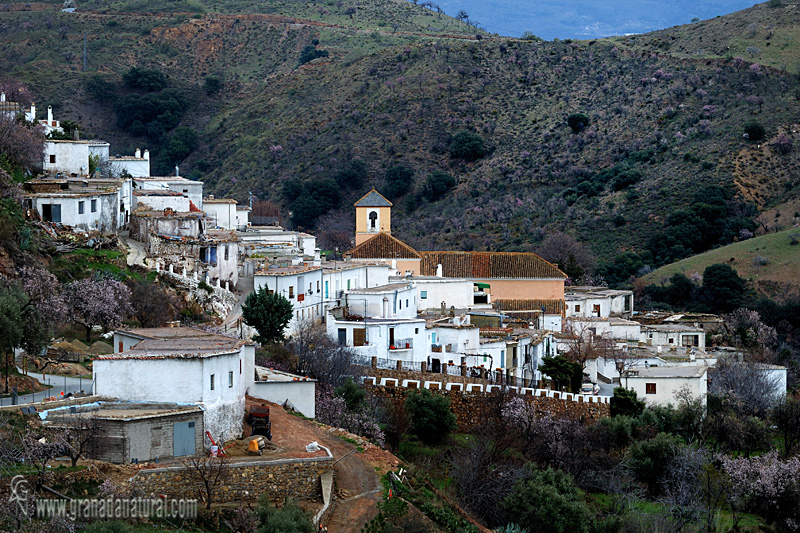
(121, 410)
(687, 371)
(270, 374)
(391, 287)
(671, 327)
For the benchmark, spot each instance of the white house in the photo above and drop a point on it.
(69, 157)
(674, 336)
(397, 300)
(435, 292)
(193, 190)
(598, 302)
(611, 327)
(659, 385)
(265, 240)
(181, 365)
(389, 339)
(221, 212)
(282, 387)
(135, 166)
(242, 217)
(160, 200)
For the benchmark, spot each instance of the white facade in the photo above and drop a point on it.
(99, 149)
(674, 336)
(614, 328)
(434, 292)
(180, 365)
(221, 213)
(243, 217)
(159, 201)
(391, 339)
(193, 190)
(598, 302)
(659, 385)
(70, 157)
(395, 300)
(261, 240)
(280, 387)
(136, 166)
(91, 211)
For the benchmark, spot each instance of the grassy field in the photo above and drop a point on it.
(769, 257)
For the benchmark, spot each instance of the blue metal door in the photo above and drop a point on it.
(183, 439)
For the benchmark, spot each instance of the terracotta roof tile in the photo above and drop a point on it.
(550, 307)
(373, 199)
(489, 265)
(383, 246)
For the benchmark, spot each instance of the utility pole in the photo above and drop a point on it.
(85, 54)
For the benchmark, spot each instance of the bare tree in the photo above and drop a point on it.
(80, 435)
(748, 388)
(583, 344)
(573, 257)
(683, 487)
(318, 356)
(209, 472)
(21, 142)
(786, 416)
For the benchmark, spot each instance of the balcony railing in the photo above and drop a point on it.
(402, 344)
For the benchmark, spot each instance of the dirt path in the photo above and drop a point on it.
(357, 489)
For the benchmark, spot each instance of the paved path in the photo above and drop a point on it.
(136, 251)
(59, 384)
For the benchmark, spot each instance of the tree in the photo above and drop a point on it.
(142, 78)
(547, 499)
(559, 369)
(21, 145)
(786, 415)
(577, 122)
(209, 472)
(745, 388)
(467, 146)
(723, 290)
(319, 356)
(288, 519)
(625, 403)
(649, 459)
(151, 304)
(430, 416)
(310, 53)
(79, 435)
(212, 85)
(439, 183)
(104, 302)
(571, 256)
(399, 180)
(352, 394)
(269, 313)
(352, 175)
(754, 131)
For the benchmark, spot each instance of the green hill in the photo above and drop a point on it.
(399, 81)
(769, 261)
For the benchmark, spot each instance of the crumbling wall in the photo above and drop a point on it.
(224, 420)
(245, 482)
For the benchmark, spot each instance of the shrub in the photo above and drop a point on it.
(754, 130)
(550, 499)
(625, 402)
(577, 122)
(649, 459)
(467, 146)
(288, 519)
(352, 394)
(399, 179)
(439, 183)
(142, 78)
(310, 53)
(212, 85)
(430, 416)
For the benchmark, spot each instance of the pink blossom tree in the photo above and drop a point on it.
(104, 302)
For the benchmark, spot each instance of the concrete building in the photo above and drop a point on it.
(182, 365)
(282, 388)
(130, 432)
(135, 166)
(221, 212)
(69, 157)
(659, 385)
(598, 302)
(193, 190)
(674, 336)
(437, 293)
(373, 216)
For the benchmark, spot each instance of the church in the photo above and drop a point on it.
(506, 276)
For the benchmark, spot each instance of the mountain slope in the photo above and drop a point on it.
(400, 81)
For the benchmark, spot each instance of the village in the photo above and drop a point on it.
(465, 325)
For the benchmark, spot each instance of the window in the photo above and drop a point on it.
(291, 291)
(416, 331)
(94, 206)
(186, 190)
(423, 295)
(577, 308)
(373, 218)
(596, 310)
(240, 366)
(52, 159)
(359, 337)
(81, 207)
(406, 302)
(348, 284)
(317, 285)
(671, 340)
(226, 253)
(212, 381)
(691, 340)
(230, 379)
(121, 349)
(650, 388)
(326, 289)
(310, 290)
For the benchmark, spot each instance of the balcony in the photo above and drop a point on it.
(402, 344)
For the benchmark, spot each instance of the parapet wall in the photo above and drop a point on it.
(475, 403)
(245, 482)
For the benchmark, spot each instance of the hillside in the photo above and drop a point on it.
(399, 81)
(768, 261)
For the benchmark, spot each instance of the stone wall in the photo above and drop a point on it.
(246, 481)
(429, 376)
(473, 404)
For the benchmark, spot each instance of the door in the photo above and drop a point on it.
(391, 336)
(342, 336)
(183, 439)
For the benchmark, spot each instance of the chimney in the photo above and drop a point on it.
(33, 112)
(385, 307)
(439, 271)
(76, 134)
(137, 154)
(2, 97)
(147, 154)
(49, 115)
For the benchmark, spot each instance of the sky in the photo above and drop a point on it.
(587, 19)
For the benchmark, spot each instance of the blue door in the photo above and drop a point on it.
(183, 439)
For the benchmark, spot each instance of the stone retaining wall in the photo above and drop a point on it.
(246, 481)
(474, 404)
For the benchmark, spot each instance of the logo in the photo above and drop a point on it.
(20, 490)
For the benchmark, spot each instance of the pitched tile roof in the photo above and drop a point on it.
(550, 307)
(489, 265)
(373, 199)
(383, 246)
